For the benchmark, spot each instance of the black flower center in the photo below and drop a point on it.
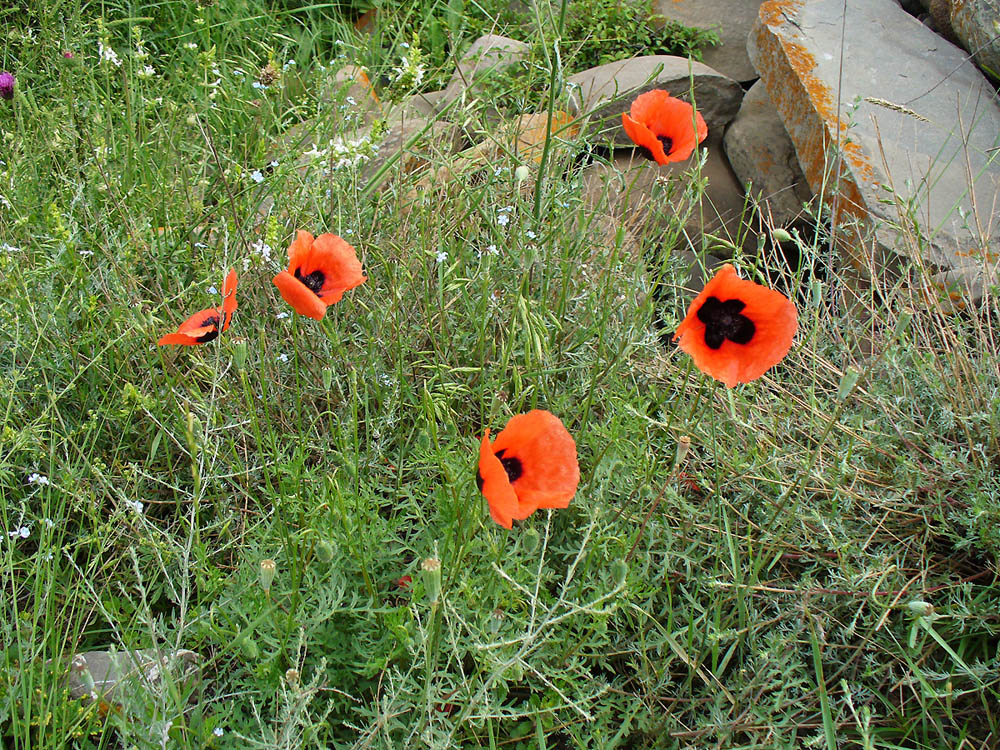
(313, 280)
(211, 320)
(511, 465)
(723, 321)
(668, 143)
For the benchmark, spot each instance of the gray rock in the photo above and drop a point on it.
(416, 141)
(605, 92)
(977, 25)
(488, 55)
(761, 153)
(917, 124)
(650, 200)
(349, 87)
(730, 19)
(112, 675)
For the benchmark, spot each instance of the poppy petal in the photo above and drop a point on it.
(549, 470)
(339, 263)
(643, 136)
(300, 248)
(299, 296)
(177, 339)
(229, 298)
(496, 487)
(658, 118)
(774, 322)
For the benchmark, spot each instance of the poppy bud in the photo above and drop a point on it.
(431, 568)
(267, 570)
(325, 551)
(240, 355)
(920, 608)
(847, 383)
(327, 376)
(522, 173)
(781, 235)
(683, 448)
(250, 647)
(530, 541)
(292, 677)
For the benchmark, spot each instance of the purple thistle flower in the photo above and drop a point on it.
(6, 85)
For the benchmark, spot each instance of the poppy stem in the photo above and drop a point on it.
(554, 65)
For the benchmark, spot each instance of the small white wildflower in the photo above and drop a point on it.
(146, 72)
(492, 250)
(257, 176)
(140, 52)
(281, 315)
(218, 731)
(191, 45)
(213, 290)
(259, 86)
(262, 249)
(287, 65)
(283, 357)
(200, 244)
(24, 532)
(531, 235)
(9, 248)
(108, 55)
(274, 163)
(441, 257)
(49, 523)
(135, 505)
(85, 253)
(503, 219)
(404, 45)
(39, 479)
(239, 72)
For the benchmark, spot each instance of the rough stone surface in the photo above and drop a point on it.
(433, 139)
(920, 105)
(530, 130)
(605, 92)
(350, 87)
(977, 24)
(730, 19)
(112, 674)
(489, 53)
(628, 188)
(760, 152)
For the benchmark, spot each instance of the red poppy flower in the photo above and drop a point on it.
(664, 126)
(205, 325)
(737, 330)
(319, 271)
(531, 464)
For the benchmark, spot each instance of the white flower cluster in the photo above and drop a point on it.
(344, 152)
(108, 55)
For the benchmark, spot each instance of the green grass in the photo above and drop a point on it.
(753, 594)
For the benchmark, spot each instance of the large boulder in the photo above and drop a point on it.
(605, 92)
(762, 154)
(915, 123)
(730, 19)
(977, 25)
(489, 54)
(650, 199)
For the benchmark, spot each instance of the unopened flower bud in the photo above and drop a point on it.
(325, 551)
(781, 235)
(327, 375)
(240, 354)
(683, 448)
(267, 570)
(619, 572)
(920, 608)
(530, 540)
(522, 173)
(292, 676)
(431, 568)
(847, 382)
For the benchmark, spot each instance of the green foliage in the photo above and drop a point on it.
(738, 599)
(603, 31)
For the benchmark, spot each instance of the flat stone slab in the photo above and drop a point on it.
(762, 154)
(730, 19)
(605, 92)
(905, 96)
